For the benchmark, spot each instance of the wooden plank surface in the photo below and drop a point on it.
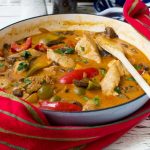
(11, 11)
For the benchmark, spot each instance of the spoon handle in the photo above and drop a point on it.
(143, 84)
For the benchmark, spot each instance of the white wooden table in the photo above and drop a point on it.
(14, 10)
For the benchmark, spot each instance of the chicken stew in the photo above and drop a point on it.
(70, 71)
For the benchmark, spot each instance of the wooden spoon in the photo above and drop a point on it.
(116, 50)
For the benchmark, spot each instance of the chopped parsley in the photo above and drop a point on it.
(138, 67)
(26, 54)
(82, 48)
(1, 65)
(27, 81)
(103, 72)
(130, 79)
(86, 98)
(85, 61)
(65, 50)
(117, 90)
(59, 51)
(93, 85)
(69, 51)
(23, 66)
(96, 100)
(44, 81)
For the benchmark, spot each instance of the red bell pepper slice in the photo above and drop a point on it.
(140, 71)
(41, 47)
(60, 106)
(2, 89)
(17, 48)
(78, 75)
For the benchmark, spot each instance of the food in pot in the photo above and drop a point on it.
(69, 71)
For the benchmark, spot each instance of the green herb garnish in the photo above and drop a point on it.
(1, 65)
(69, 51)
(27, 81)
(65, 50)
(117, 90)
(86, 98)
(85, 61)
(138, 67)
(44, 81)
(82, 48)
(103, 72)
(93, 85)
(96, 100)
(59, 51)
(23, 66)
(130, 79)
(26, 54)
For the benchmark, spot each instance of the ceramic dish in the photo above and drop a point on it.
(30, 27)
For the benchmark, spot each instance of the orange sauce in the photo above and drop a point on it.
(132, 89)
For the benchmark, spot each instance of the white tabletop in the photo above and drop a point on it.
(11, 11)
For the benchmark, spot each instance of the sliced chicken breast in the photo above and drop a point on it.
(87, 48)
(62, 60)
(112, 77)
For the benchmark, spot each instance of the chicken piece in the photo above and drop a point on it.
(62, 60)
(36, 82)
(34, 53)
(2, 58)
(122, 70)
(19, 56)
(18, 71)
(90, 105)
(112, 77)
(33, 87)
(13, 58)
(87, 48)
(20, 67)
(4, 82)
(110, 81)
(50, 71)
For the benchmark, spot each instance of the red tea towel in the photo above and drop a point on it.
(137, 14)
(24, 127)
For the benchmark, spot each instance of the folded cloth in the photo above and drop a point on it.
(22, 126)
(137, 14)
(101, 5)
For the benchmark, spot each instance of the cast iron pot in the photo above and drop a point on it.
(30, 27)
